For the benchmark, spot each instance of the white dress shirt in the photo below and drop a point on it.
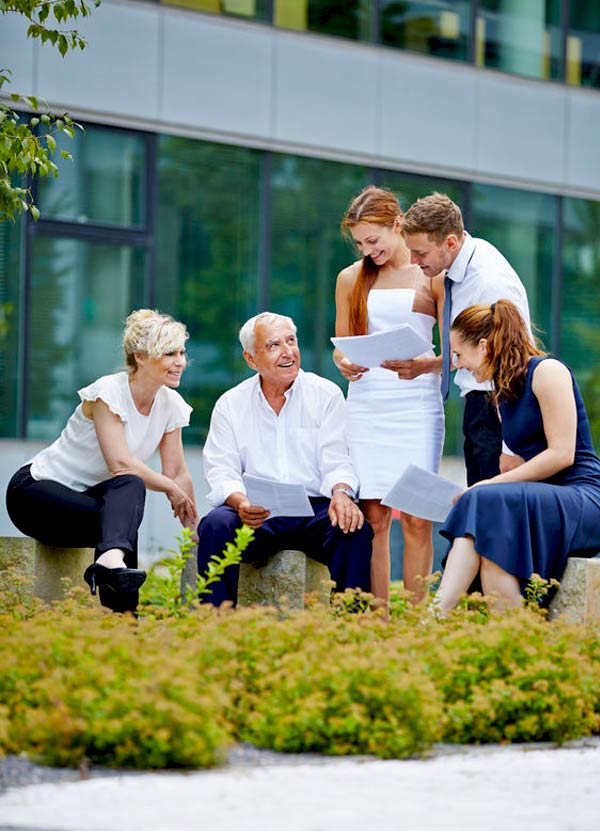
(305, 444)
(480, 274)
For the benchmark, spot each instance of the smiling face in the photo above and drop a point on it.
(165, 370)
(379, 242)
(433, 257)
(276, 355)
(472, 357)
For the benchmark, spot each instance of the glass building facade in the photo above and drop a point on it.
(213, 233)
(556, 40)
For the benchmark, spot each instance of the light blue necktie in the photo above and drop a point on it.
(446, 320)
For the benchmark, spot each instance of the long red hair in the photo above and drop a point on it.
(380, 207)
(509, 344)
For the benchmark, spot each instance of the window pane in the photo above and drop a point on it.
(346, 18)
(308, 250)
(207, 260)
(580, 306)
(104, 182)
(435, 28)
(81, 293)
(583, 43)
(522, 225)
(10, 282)
(254, 9)
(518, 37)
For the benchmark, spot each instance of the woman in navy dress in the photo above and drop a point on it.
(531, 518)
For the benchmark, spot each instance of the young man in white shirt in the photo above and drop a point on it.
(286, 425)
(476, 272)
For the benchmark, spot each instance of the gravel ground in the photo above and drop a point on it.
(508, 788)
(20, 772)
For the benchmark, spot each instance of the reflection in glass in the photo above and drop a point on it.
(308, 251)
(580, 307)
(254, 9)
(345, 18)
(81, 293)
(207, 260)
(10, 282)
(522, 225)
(434, 28)
(103, 183)
(522, 38)
(583, 43)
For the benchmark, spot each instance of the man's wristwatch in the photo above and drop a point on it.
(348, 491)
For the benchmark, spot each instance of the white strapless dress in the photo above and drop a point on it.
(392, 422)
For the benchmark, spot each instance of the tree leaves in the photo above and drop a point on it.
(26, 146)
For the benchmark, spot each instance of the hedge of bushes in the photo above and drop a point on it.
(81, 683)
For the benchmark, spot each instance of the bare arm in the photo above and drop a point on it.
(174, 467)
(111, 438)
(343, 290)
(553, 387)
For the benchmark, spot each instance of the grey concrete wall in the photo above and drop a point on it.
(178, 71)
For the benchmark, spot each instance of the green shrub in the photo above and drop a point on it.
(517, 679)
(101, 687)
(78, 682)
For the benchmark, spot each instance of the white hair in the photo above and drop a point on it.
(248, 330)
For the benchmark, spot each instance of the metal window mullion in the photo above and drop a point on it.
(556, 289)
(472, 50)
(90, 232)
(265, 237)
(151, 207)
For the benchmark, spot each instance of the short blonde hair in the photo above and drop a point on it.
(435, 215)
(153, 334)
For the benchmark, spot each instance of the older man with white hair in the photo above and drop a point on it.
(286, 425)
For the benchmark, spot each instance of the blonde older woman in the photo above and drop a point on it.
(89, 487)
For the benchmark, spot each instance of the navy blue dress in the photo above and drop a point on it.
(532, 527)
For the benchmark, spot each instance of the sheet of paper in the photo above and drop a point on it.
(280, 498)
(398, 344)
(422, 493)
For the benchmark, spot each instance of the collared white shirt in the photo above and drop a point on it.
(480, 274)
(305, 444)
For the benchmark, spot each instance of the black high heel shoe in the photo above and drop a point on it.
(118, 579)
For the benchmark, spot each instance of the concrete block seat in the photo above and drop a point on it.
(46, 565)
(578, 597)
(288, 576)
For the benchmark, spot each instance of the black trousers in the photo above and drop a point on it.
(348, 556)
(483, 437)
(105, 516)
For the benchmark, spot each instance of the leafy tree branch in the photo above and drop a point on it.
(28, 142)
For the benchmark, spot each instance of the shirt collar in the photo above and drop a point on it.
(458, 269)
(288, 393)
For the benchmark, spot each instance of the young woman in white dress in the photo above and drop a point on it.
(395, 412)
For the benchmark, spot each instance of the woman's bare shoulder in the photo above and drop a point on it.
(347, 276)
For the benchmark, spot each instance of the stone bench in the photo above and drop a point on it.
(46, 565)
(578, 597)
(288, 577)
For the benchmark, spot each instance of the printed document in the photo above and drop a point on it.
(280, 498)
(402, 343)
(422, 493)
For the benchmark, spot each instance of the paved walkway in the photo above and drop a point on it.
(499, 789)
